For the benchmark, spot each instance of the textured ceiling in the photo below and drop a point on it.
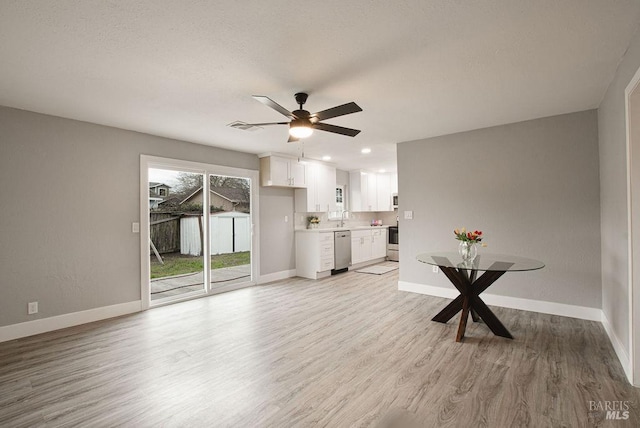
(185, 69)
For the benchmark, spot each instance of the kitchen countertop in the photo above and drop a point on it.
(338, 229)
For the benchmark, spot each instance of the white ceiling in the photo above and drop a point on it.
(185, 69)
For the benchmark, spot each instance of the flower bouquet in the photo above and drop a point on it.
(468, 241)
(474, 237)
(312, 222)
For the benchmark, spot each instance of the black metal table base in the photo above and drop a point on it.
(469, 299)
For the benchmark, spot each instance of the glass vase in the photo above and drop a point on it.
(468, 251)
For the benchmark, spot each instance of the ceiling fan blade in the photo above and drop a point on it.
(292, 139)
(336, 111)
(267, 124)
(336, 129)
(274, 105)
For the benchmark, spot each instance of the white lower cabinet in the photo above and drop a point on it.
(315, 250)
(368, 245)
(314, 254)
(360, 246)
(379, 244)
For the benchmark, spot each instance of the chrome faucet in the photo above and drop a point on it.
(342, 217)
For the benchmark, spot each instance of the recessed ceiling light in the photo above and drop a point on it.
(326, 158)
(366, 150)
(382, 170)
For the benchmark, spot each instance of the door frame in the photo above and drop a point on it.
(148, 161)
(633, 370)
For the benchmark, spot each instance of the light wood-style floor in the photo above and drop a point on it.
(349, 350)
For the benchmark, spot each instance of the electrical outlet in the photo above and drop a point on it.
(286, 219)
(135, 227)
(435, 269)
(32, 308)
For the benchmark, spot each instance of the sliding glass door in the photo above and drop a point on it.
(176, 231)
(230, 230)
(197, 230)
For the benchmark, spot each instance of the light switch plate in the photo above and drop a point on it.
(32, 308)
(286, 219)
(408, 215)
(135, 227)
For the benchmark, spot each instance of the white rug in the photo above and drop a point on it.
(377, 269)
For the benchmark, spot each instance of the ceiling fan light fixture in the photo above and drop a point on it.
(303, 123)
(300, 131)
(300, 128)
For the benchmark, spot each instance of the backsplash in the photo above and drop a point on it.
(355, 219)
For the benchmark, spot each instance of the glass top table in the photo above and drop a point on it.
(482, 262)
(463, 276)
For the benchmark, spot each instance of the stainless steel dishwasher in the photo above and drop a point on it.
(342, 251)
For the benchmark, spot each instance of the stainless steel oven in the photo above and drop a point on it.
(393, 244)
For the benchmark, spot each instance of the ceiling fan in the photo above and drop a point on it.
(303, 123)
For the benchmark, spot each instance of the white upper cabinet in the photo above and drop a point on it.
(280, 171)
(358, 198)
(320, 193)
(326, 187)
(369, 191)
(298, 173)
(371, 198)
(383, 194)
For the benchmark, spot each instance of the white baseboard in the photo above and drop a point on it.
(43, 325)
(276, 276)
(430, 290)
(562, 309)
(618, 348)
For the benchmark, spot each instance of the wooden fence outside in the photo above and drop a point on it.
(165, 231)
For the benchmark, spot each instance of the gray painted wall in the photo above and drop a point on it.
(69, 193)
(277, 237)
(613, 194)
(532, 187)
